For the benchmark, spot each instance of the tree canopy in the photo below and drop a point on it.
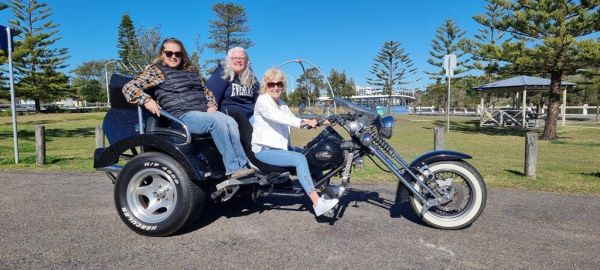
(341, 85)
(549, 38)
(36, 62)
(391, 69)
(229, 29)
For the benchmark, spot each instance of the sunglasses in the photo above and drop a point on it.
(170, 53)
(273, 84)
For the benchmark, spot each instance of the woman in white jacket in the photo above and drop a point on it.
(271, 132)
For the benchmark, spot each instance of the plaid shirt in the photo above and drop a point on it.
(152, 77)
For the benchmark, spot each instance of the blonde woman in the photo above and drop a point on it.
(271, 132)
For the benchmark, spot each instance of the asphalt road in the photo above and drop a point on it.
(69, 221)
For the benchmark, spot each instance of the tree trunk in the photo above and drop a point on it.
(553, 107)
(38, 107)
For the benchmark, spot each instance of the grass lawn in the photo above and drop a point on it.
(568, 165)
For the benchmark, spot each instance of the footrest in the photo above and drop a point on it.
(229, 187)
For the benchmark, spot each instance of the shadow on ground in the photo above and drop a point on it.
(517, 173)
(244, 206)
(596, 174)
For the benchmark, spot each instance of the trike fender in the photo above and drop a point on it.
(439, 155)
(196, 168)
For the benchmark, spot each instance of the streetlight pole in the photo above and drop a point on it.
(291, 79)
(106, 78)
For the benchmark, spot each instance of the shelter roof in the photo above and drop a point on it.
(520, 83)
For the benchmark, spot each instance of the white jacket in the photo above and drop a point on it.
(271, 124)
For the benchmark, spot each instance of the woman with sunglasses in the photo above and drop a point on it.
(233, 83)
(271, 133)
(179, 91)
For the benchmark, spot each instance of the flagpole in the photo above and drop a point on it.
(12, 96)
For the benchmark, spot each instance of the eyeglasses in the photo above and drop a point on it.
(238, 58)
(170, 53)
(273, 84)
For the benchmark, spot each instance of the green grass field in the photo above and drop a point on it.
(568, 165)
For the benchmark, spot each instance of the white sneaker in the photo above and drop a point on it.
(324, 205)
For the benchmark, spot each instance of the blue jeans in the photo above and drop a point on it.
(225, 134)
(285, 158)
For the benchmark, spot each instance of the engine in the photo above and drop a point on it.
(324, 151)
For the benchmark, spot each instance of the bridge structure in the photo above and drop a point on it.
(400, 101)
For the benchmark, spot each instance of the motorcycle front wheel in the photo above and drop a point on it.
(468, 200)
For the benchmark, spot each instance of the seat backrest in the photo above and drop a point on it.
(121, 121)
(117, 99)
(245, 129)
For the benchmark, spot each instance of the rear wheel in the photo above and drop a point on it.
(468, 190)
(154, 195)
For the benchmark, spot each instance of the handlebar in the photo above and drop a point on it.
(332, 119)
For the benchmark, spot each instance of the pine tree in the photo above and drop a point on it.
(127, 40)
(483, 47)
(230, 28)
(549, 39)
(36, 63)
(448, 40)
(391, 69)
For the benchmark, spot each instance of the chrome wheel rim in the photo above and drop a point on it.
(151, 195)
(462, 201)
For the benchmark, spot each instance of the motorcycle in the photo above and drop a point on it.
(164, 175)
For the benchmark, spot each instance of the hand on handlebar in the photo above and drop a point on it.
(323, 122)
(310, 123)
(153, 107)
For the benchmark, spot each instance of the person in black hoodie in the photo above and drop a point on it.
(178, 90)
(234, 84)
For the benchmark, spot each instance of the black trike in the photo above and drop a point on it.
(164, 175)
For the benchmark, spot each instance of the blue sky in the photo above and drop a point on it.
(345, 35)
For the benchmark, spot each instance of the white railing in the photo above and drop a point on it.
(454, 111)
(582, 111)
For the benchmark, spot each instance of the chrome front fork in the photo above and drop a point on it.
(383, 151)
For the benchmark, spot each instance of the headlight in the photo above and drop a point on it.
(387, 124)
